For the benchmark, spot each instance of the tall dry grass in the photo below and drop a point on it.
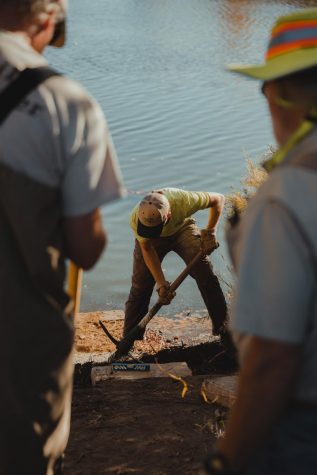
(255, 175)
(237, 201)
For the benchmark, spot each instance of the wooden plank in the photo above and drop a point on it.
(102, 373)
(221, 389)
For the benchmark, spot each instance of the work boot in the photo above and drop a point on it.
(227, 343)
(225, 337)
(217, 331)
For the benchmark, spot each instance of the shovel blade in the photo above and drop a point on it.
(107, 332)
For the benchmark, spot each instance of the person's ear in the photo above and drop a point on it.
(43, 33)
(58, 39)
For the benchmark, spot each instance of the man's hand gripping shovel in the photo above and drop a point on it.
(125, 344)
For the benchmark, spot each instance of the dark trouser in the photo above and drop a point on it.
(34, 424)
(34, 421)
(36, 370)
(291, 446)
(36, 329)
(186, 243)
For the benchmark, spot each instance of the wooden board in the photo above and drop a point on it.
(221, 389)
(102, 373)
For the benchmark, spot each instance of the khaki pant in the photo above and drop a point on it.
(186, 243)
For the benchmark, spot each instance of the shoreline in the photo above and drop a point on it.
(185, 338)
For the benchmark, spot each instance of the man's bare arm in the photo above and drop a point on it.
(266, 385)
(152, 262)
(216, 204)
(85, 239)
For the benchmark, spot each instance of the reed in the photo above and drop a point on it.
(255, 175)
(237, 201)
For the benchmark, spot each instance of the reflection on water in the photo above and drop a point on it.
(177, 118)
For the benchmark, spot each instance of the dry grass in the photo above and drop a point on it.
(237, 201)
(215, 425)
(255, 176)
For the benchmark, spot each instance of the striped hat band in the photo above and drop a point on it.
(292, 47)
(291, 36)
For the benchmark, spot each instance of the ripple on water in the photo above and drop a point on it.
(176, 116)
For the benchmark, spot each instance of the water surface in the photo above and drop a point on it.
(177, 118)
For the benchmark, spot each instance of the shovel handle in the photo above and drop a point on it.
(182, 276)
(74, 284)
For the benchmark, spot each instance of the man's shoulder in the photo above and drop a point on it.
(68, 101)
(174, 193)
(190, 200)
(180, 192)
(17, 55)
(69, 91)
(287, 184)
(288, 191)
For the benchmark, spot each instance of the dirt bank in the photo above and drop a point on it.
(144, 427)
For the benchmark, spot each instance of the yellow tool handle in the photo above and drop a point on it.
(75, 275)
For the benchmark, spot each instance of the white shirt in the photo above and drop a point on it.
(58, 136)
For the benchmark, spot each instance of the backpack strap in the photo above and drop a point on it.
(27, 80)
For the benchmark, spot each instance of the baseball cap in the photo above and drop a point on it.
(292, 47)
(152, 215)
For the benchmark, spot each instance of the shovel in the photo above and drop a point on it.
(124, 346)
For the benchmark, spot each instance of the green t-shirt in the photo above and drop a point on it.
(183, 204)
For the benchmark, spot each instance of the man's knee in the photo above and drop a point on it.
(203, 271)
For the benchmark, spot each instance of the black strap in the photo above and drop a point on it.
(27, 80)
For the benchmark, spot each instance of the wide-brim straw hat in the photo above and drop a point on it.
(292, 47)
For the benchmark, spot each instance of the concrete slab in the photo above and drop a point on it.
(221, 389)
(103, 373)
(93, 358)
